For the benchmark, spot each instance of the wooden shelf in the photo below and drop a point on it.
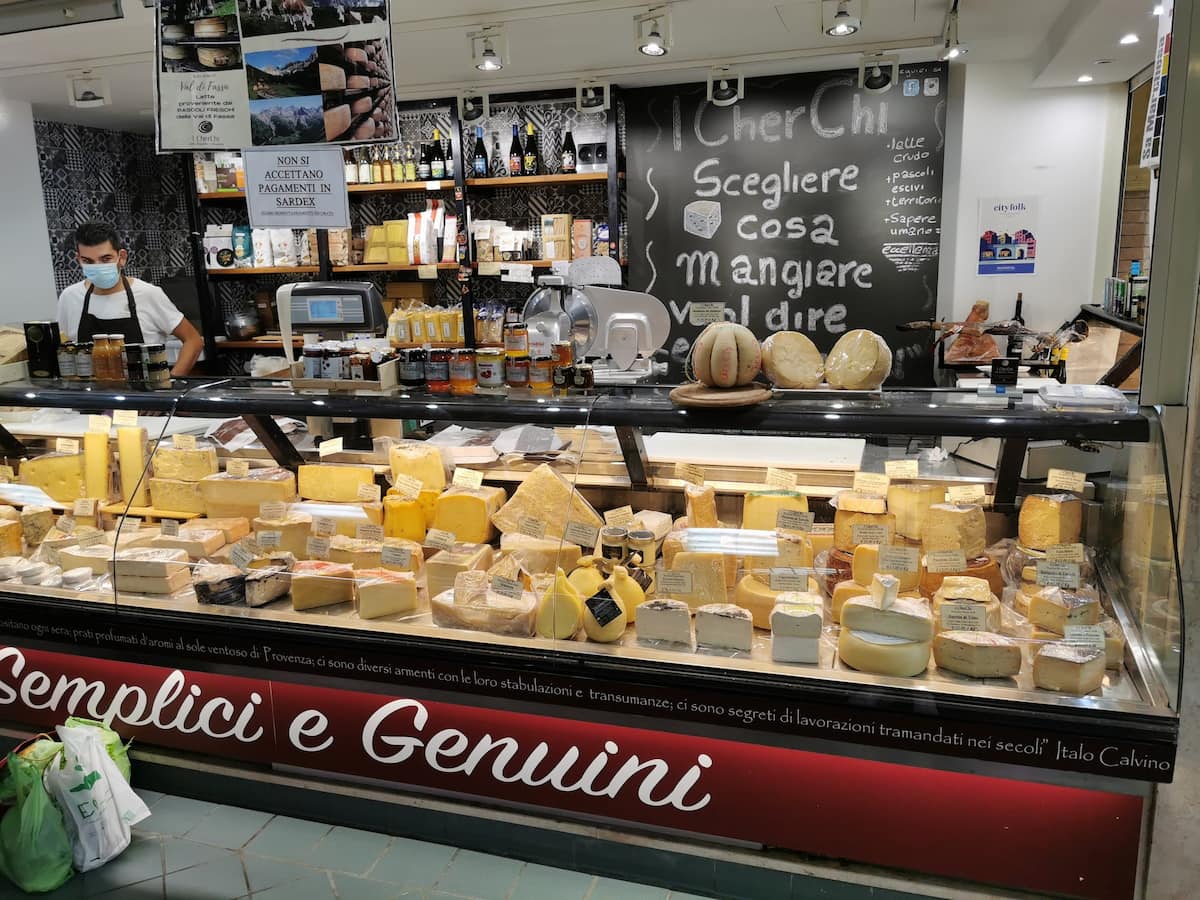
(222, 195)
(533, 180)
(265, 344)
(268, 270)
(429, 186)
(536, 263)
(384, 267)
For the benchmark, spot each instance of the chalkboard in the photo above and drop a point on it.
(810, 205)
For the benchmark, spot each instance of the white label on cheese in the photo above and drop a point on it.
(170, 527)
(823, 528)
(872, 483)
(1154, 485)
(778, 478)
(468, 478)
(99, 423)
(440, 540)
(66, 445)
(674, 583)
(408, 487)
(369, 493)
(238, 468)
(396, 556)
(535, 528)
(65, 524)
(965, 493)
(794, 520)
(269, 540)
(894, 558)
(369, 532)
(690, 473)
(902, 468)
(184, 441)
(706, 313)
(507, 587)
(241, 556)
(129, 523)
(84, 507)
(621, 516)
(317, 547)
(91, 539)
(272, 510)
(581, 534)
(871, 534)
(1065, 480)
(1057, 574)
(324, 526)
(944, 561)
(125, 417)
(789, 579)
(1088, 637)
(1065, 553)
(964, 615)
(329, 446)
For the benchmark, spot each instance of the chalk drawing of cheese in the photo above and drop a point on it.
(702, 218)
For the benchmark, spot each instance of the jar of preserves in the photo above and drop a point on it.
(313, 358)
(462, 372)
(331, 362)
(584, 378)
(100, 366)
(564, 379)
(613, 542)
(158, 375)
(135, 364)
(541, 375)
(83, 361)
(516, 339)
(437, 371)
(489, 371)
(643, 544)
(154, 353)
(116, 356)
(564, 353)
(359, 364)
(412, 367)
(516, 371)
(66, 360)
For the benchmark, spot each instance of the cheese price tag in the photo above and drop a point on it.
(468, 478)
(369, 493)
(91, 539)
(396, 556)
(324, 526)
(125, 418)
(131, 523)
(706, 313)
(241, 556)
(965, 493)
(269, 540)
(871, 534)
(894, 558)
(65, 524)
(534, 528)
(781, 480)
(794, 520)
(170, 527)
(674, 583)
(427, 272)
(789, 579)
(902, 468)
(964, 615)
(329, 447)
(1065, 553)
(824, 529)
(507, 587)
(690, 473)
(408, 487)
(583, 535)
(1087, 637)
(66, 445)
(99, 423)
(272, 510)
(872, 483)
(238, 468)
(317, 547)
(7, 474)
(369, 533)
(1066, 480)
(945, 561)
(84, 507)
(440, 540)
(620, 516)
(184, 441)
(1058, 574)
(1154, 485)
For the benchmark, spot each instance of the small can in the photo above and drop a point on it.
(644, 544)
(613, 542)
(541, 375)
(564, 353)
(516, 371)
(489, 370)
(462, 372)
(516, 339)
(313, 359)
(564, 379)
(412, 367)
(437, 371)
(584, 378)
(66, 360)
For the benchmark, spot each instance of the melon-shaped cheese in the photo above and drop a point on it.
(791, 360)
(860, 361)
(726, 355)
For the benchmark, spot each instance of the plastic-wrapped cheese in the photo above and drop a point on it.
(1049, 519)
(418, 460)
(860, 361)
(497, 614)
(978, 654)
(546, 496)
(791, 360)
(883, 654)
(955, 526)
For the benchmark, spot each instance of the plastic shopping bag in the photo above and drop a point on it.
(35, 851)
(39, 751)
(99, 807)
(111, 740)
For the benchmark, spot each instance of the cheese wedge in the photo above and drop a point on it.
(467, 513)
(10, 538)
(796, 624)
(391, 555)
(707, 574)
(219, 584)
(842, 592)
(333, 484)
(382, 592)
(404, 518)
(977, 654)
(1047, 520)
(415, 459)
(539, 555)
(228, 495)
(955, 526)
(169, 495)
(317, 583)
(290, 533)
(963, 603)
(151, 562)
(1114, 643)
(97, 465)
(347, 517)
(855, 509)
(131, 455)
(196, 542)
(904, 618)
(442, 568)
(184, 465)
(761, 509)
(667, 621)
(358, 552)
(883, 654)
(1054, 609)
(493, 613)
(910, 503)
(658, 523)
(234, 528)
(757, 597)
(724, 626)
(865, 566)
(701, 503)
(144, 584)
(546, 496)
(58, 474)
(36, 522)
(1067, 669)
(96, 558)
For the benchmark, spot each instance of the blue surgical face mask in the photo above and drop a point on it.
(102, 275)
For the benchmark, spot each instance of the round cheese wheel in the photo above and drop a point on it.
(791, 360)
(333, 78)
(337, 120)
(725, 355)
(859, 361)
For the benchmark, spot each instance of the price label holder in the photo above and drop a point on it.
(534, 528)
(963, 615)
(91, 539)
(369, 493)
(966, 493)
(944, 562)
(84, 508)
(789, 579)
(408, 487)
(318, 547)
(238, 468)
(241, 556)
(871, 534)
(369, 533)
(872, 483)
(170, 527)
(824, 529)
(706, 313)
(125, 418)
(272, 510)
(1058, 574)
(1086, 637)
(583, 535)
(439, 540)
(489, 268)
(902, 468)
(99, 423)
(507, 587)
(324, 526)
(184, 441)
(1005, 370)
(622, 516)
(674, 583)
(70, 446)
(894, 558)
(269, 540)
(781, 480)
(690, 473)
(1066, 480)
(794, 520)
(1072, 553)
(329, 447)
(400, 557)
(468, 478)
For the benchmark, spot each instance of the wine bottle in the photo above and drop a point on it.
(350, 167)
(529, 164)
(516, 156)
(479, 160)
(385, 166)
(568, 154)
(449, 158)
(425, 163)
(410, 162)
(364, 167)
(498, 166)
(437, 157)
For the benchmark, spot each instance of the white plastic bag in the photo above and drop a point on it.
(98, 805)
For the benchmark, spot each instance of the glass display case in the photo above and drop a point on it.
(824, 566)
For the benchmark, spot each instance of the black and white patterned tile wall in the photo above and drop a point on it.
(115, 177)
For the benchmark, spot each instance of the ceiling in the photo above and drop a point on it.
(552, 44)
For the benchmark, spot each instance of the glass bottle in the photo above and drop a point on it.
(479, 159)
(425, 164)
(410, 163)
(350, 166)
(516, 154)
(385, 166)
(376, 167)
(569, 163)
(498, 167)
(364, 167)
(449, 157)
(437, 157)
(530, 164)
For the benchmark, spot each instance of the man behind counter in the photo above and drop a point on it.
(108, 302)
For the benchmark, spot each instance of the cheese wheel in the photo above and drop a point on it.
(725, 355)
(860, 361)
(883, 655)
(333, 78)
(791, 360)
(337, 120)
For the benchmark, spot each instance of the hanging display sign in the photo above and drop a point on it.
(233, 74)
(1008, 235)
(298, 188)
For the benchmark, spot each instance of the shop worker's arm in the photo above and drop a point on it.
(193, 344)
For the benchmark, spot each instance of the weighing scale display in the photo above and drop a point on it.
(325, 309)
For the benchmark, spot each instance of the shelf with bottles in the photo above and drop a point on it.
(531, 180)
(401, 166)
(385, 187)
(250, 271)
(385, 267)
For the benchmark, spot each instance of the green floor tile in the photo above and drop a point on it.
(351, 887)
(348, 850)
(220, 880)
(546, 883)
(412, 864)
(262, 873)
(175, 816)
(315, 887)
(479, 875)
(142, 859)
(229, 827)
(183, 854)
(615, 889)
(287, 838)
(151, 889)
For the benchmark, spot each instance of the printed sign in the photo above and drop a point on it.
(297, 188)
(1008, 235)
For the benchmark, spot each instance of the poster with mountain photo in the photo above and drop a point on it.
(232, 74)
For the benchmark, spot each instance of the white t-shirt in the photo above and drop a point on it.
(156, 313)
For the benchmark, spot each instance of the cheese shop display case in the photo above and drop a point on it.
(818, 572)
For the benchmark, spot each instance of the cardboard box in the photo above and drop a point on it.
(556, 226)
(409, 290)
(581, 238)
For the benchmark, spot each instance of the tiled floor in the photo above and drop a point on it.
(192, 850)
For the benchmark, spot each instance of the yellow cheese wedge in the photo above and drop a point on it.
(234, 528)
(977, 654)
(1114, 643)
(707, 571)
(842, 592)
(382, 592)
(290, 534)
(546, 496)
(333, 484)
(865, 566)
(539, 555)
(701, 506)
(10, 538)
(1054, 609)
(821, 543)
(1047, 520)
(467, 513)
(760, 510)
(131, 454)
(442, 568)
(185, 465)
(357, 552)
(418, 460)
(97, 462)
(317, 583)
(1070, 670)
(404, 518)
(228, 495)
(672, 544)
(904, 618)
(910, 503)
(169, 495)
(36, 522)
(560, 610)
(756, 596)
(955, 526)
(859, 509)
(58, 474)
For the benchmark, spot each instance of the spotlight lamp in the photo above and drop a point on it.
(652, 31)
(877, 72)
(592, 96)
(843, 24)
(725, 86)
(489, 48)
(952, 47)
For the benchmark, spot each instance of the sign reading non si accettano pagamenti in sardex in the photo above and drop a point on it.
(269, 73)
(301, 188)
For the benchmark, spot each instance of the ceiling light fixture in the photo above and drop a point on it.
(1158, 10)
(843, 24)
(484, 51)
(726, 86)
(878, 72)
(592, 96)
(652, 31)
(952, 46)
(87, 91)
(1128, 39)
(1084, 79)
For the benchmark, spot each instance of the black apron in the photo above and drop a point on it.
(129, 326)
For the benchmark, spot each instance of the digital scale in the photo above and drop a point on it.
(335, 308)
